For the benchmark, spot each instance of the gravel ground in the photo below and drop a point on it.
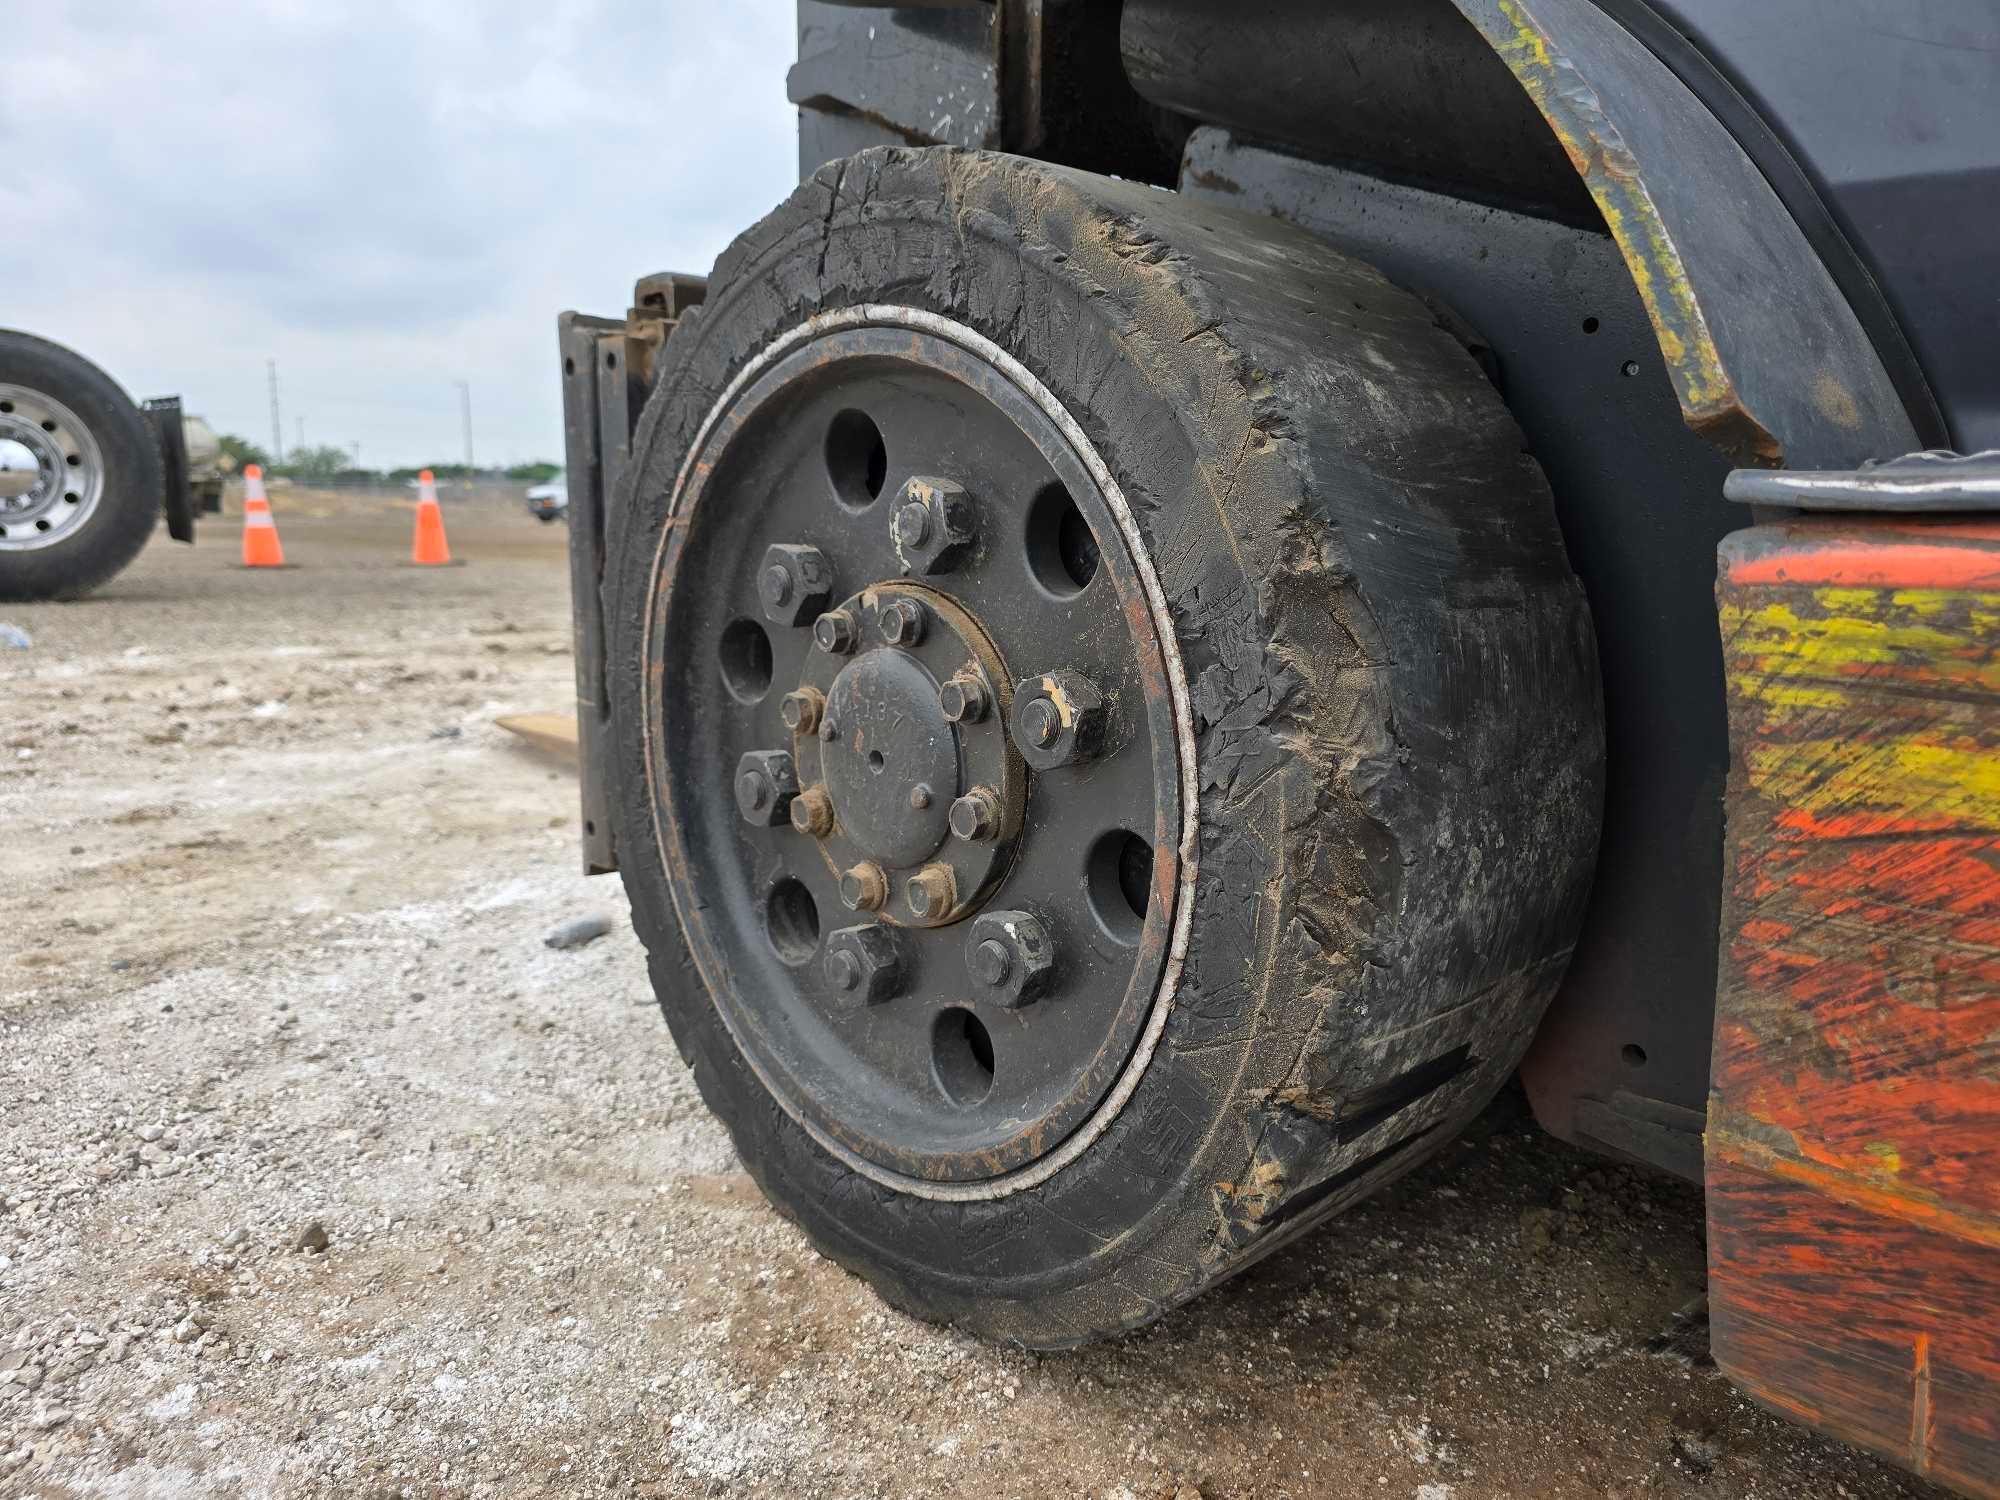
(320, 1174)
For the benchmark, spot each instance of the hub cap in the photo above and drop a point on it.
(917, 742)
(51, 470)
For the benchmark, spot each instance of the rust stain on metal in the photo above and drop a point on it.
(1854, 1124)
(1709, 400)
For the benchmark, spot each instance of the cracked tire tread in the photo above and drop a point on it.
(1396, 708)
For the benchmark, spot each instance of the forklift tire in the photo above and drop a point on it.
(1107, 740)
(91, 465)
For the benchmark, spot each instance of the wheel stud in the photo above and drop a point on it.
(920, 796)
(931, 892)
(1058, 720)
(765, 785)
(864, 887)
(1011, 957)
(829, 730)
(935, 525)
(863, 965)
(812, 812)
(795, 583)
(836, 632)
(902, 622)
(801, 710)
(990, 962)
(976, 815)
(964, 699)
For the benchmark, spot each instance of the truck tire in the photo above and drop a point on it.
(96, 488)
(1107, 739)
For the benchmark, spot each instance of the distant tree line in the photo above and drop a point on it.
(330, 465)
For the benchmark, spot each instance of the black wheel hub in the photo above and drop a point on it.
(917, 763)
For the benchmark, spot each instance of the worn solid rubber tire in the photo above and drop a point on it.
(1396, 710)
(125, 516)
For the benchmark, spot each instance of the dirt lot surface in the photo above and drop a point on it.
(321, 1175)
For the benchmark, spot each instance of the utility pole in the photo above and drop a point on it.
(465, 407)
(277, 423)
(299, 446)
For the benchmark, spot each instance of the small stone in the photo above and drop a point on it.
(151, 1132)
(29, 1377)
(51, 1418)
(117, 1349)
(186, 1331)
(312, 1238)
(577, 932)
(234, 1238)
(13, 1360)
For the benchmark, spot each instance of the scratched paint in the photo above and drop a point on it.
(1854, 1123)
(1616, 182)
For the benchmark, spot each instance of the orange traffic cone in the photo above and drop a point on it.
(427, 547)
(260, 532)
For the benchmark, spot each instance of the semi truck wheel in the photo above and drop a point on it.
(80, 473)
(1107, 737)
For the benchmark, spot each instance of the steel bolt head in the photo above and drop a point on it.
(812, 812)
(863, 965)
(1024, 967)
(837, 632)
(976, 815)
(902, 622)
(801, 709)
(931, 892)
(920, 796)
(765, 786)
(1058, 720)
(795, 583)
(964, 699)
(936, 525)
(864, 887)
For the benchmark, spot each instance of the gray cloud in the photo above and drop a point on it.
(384, 199)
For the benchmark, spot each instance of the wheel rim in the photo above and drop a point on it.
(947, 958)
(51, 470)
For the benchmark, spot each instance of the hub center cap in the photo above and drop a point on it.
(891, 764)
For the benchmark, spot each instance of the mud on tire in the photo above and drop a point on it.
(1384, 672)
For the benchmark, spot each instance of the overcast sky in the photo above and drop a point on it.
(386, 199)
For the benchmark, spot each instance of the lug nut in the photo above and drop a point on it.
(863, 965)
(794, 583)
(864, 887)
(976, 815)
(936, 524)
(902, 622)
(920, 796)
(801, 709)
(836, 632)
(964, 699)
(829, 730)
(765, 784)
(812, 812)
(931, 892)
(1010, 956)
(1058, 720)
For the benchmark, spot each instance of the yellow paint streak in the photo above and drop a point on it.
(1823, 651)
(1836, 775)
